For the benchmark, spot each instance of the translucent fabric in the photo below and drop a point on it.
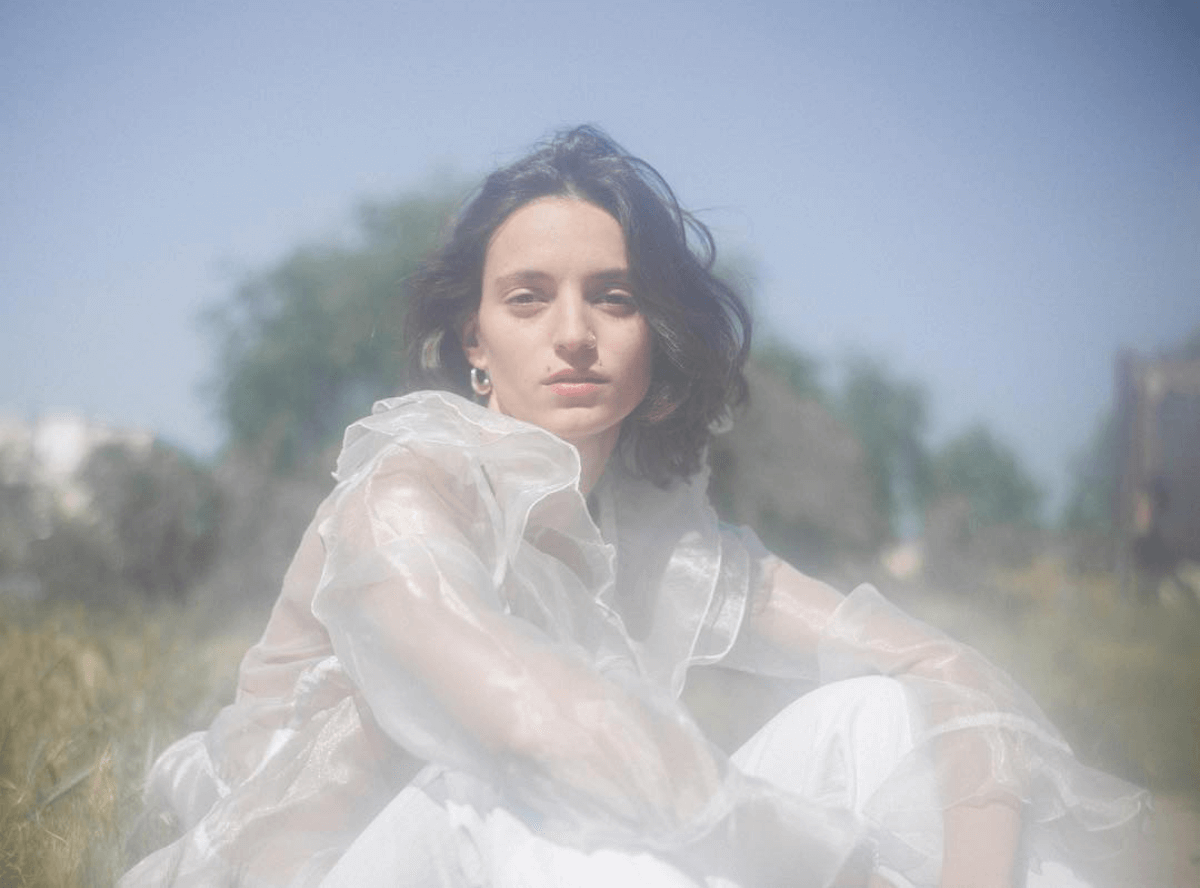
(457, 608)
(979, 737)
(853, 733)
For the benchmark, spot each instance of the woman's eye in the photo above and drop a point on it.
(620, 300)
(523, 297)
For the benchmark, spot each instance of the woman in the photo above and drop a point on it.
(471, 675)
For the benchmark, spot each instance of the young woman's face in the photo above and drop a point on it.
(558, 329)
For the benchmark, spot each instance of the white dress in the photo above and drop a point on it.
(469, 680)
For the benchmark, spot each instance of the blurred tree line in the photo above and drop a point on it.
(135, 516)
(825, 472)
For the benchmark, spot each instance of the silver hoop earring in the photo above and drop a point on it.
(481, 382)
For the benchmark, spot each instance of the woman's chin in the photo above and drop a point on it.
(586, 433)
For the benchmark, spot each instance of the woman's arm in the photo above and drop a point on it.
(982, 827)
(981, 844)
(409, 597)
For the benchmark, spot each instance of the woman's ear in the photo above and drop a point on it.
(469, 337)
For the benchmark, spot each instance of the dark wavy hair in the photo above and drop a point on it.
(700, 326)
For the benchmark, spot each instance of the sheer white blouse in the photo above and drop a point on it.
(456, 605)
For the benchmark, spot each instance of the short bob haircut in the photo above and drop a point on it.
(700, 326)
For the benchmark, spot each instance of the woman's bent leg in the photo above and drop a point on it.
(411, 843)
(429, 836)
(835, 745)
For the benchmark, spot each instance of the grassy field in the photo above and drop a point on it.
(88, 699)
(1120, 679)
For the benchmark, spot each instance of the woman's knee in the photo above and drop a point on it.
(836, 744)
(872, 702)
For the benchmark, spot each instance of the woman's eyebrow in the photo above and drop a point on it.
(611, 276)
(533, 277)
(521, 278)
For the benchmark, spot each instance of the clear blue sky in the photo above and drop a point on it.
(993, 197)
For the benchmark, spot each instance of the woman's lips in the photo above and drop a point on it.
(572, 384)
(576, 388)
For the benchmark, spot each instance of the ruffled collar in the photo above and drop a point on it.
(652, 556)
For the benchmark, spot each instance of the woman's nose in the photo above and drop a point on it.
(573, 332)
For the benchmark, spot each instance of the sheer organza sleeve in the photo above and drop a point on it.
(980, 738)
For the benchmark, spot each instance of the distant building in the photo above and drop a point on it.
(1157, 505)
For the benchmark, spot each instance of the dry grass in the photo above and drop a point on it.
(1121, 679)
(87, 700)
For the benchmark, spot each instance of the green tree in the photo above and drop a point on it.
(304, 347)
(800, 371)
(1094, 475)
(888, 416)
(150, 527)
(1190, 348)
(987, 473)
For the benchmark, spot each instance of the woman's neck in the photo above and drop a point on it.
(594, 453)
